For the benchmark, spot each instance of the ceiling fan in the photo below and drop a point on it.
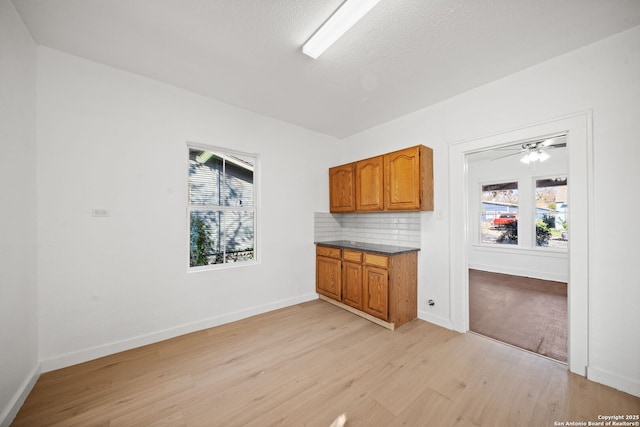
(535, 150)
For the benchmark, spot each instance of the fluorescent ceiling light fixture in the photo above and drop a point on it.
(339, 23)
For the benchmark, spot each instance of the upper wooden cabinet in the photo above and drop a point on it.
(397, 181)
(342, 188)
(369, 184)
(408, 179)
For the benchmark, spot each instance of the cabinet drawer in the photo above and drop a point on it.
(376, 260)
(353, 256)
(328, 252)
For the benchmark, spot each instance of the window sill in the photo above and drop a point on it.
(538, 251)
(216, 267)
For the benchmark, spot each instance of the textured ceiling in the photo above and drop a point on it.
(404, 55)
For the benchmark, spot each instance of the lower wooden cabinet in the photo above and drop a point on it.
(352, 284)
(376, 292)
(329, 272)
(382, 288)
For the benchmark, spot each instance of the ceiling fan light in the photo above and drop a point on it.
(543, 155)
(525, 159)
(339, 23)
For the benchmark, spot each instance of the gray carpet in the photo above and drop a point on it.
(524, 312)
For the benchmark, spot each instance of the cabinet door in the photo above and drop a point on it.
(376, 292)
(402, 179)
(369, 184)
(352, 284)
(341, 188)
(328, 277)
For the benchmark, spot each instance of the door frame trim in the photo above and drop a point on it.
(578, 127)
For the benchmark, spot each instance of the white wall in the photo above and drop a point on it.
(524, 259)
(602, 77)
(110, 139)
(18, 309)
(113, 140)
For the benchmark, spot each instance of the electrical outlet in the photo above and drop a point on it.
(100, 212)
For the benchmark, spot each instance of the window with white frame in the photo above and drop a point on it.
(551, 213)
(499, 213)
(221, 207)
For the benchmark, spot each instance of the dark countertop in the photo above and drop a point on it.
(368, 247)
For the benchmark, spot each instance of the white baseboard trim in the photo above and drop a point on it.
(521, 272)
(139, 341)
(436, 320)
(10, 412)
(613, 380)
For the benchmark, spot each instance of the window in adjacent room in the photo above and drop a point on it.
(552, 228)
(221, 207)
(499, 213)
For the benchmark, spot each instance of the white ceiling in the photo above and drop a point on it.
(403, 56)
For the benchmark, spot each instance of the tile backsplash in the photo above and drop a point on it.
(388, 228)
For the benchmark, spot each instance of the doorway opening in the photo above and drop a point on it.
(518, 244)
(578, 130)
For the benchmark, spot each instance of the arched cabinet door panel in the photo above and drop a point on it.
(342, 188)
(369, 185)
(409, 179)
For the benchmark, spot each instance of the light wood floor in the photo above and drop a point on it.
(306, 364)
